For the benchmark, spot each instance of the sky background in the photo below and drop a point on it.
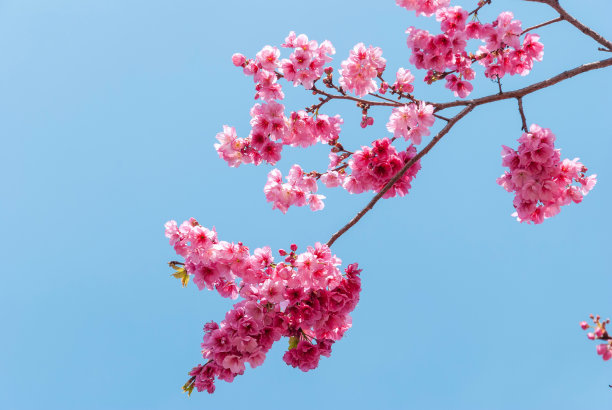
(108, 113)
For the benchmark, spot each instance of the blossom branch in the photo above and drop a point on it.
(470, 105)
(397, 176)
(315, 90)
(574, 22)
(529, 89)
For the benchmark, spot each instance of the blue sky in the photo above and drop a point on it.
(108, 112)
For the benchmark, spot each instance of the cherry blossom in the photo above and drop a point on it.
(542, 183)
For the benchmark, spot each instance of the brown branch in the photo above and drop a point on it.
(520, 108)
(570, 19)
(397, 176)
(482, 4)
(315, 90)
(529, 89)
(383, 98)
(542, 25)
(441, 117)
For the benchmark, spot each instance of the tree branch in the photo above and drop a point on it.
(315, 90)
(570, 19)
(397, 176)
(529, 89)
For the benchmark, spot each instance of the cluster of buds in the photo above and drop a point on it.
(599, 333)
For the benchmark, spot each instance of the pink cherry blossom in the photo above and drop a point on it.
(299, 190)
(305, 298)
(361, 68)
(372, 168)
(403, 81)
(424, 7)
(542, 183)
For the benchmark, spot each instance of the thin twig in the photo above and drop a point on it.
(383, 98)
(315, 90)
(397, 176)
(499, 84)
(441, 117)
(604, 49)
(542, 25)
(520, 108)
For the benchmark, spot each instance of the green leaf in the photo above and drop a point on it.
(293, 342)
(182, 275)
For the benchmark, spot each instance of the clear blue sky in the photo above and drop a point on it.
(108, 112)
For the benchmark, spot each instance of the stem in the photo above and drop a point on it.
(397, 176)
(520, 108)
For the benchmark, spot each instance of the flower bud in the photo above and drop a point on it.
(238, 59)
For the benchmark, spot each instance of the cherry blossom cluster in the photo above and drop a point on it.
(305, 64)
(361, 68)
(368, 169)
(299, 190)
(423, 7)
(254, 149)
(542, 183)
(411, 122)
(403, 81)
(305, 297)
(444, 55)
(600, 333)
(270, 127)
(271, 130)
(372, 168)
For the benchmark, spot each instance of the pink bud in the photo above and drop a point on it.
(591, 336)
(604, 351)
(238, 59)
(293, 247)
(584, 325)
(328, 70)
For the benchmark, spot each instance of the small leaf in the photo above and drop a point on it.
(181, 274)
(188, 387)
(293, 342)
